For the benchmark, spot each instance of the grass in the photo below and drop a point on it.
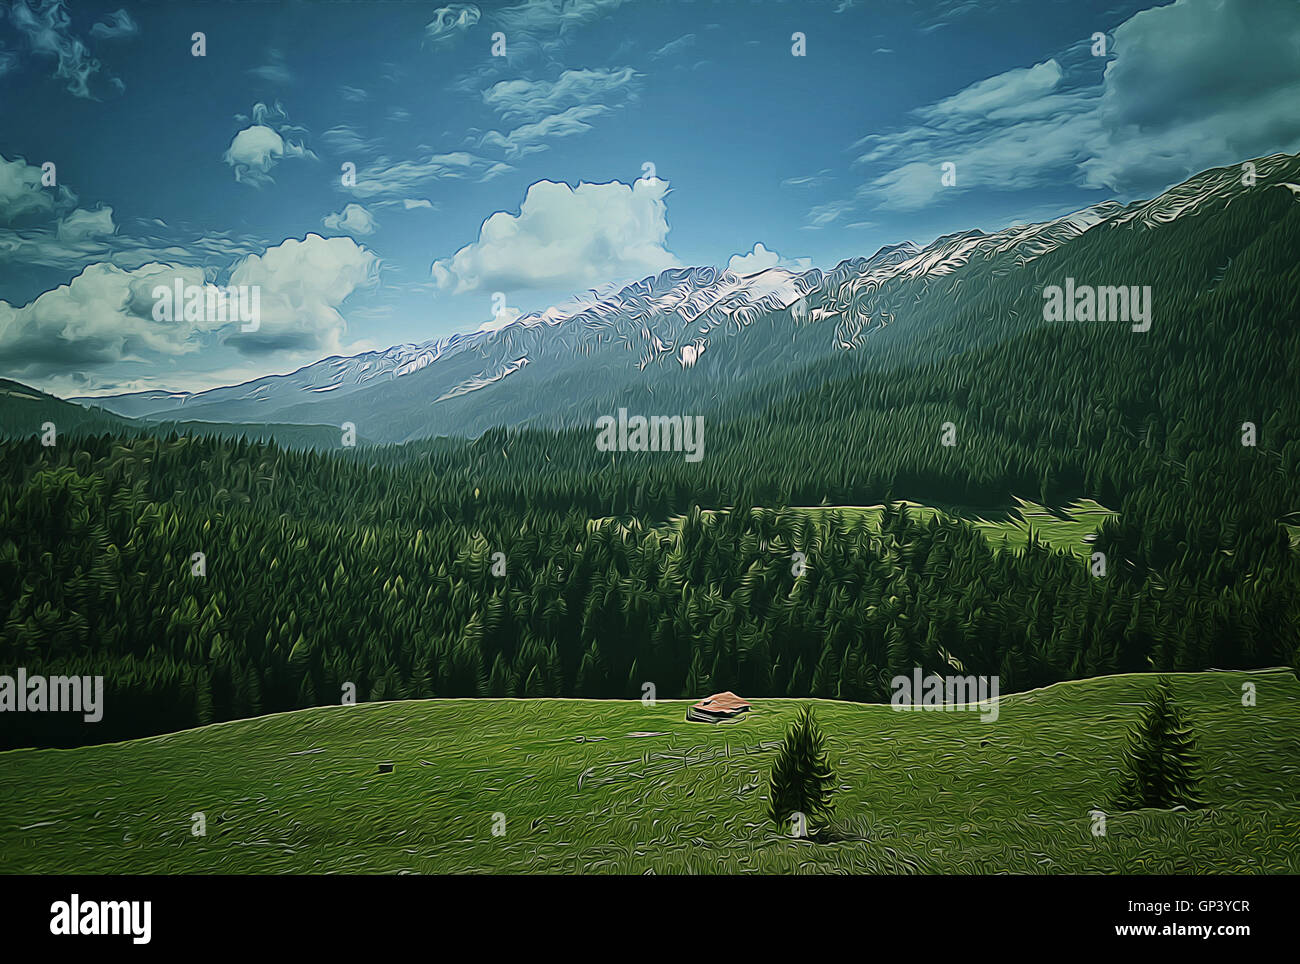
(1070, 529)
(614, 786)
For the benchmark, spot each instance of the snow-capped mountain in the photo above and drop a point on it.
(339, 374)
(701, 331)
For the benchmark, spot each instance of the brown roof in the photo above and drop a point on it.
(722, 703)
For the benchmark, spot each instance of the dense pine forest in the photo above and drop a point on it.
(377, 566)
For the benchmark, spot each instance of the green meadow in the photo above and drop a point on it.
(619, 787)
(1069, 529)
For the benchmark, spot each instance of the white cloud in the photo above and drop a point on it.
(255, 150)
(82, 224)
(532, 100)
(388, 182)
(98, 330)
(1001, 96)
(1013, 131)
(303, 284)
(451, 20)
(345, 141)
(119, 24)
(353, 219)
(548, 25)
(1198, 84)
(47, 30)
(85, 237)
(41, 226)
(536, 33)
(759, 259)
(809, 180)
(1192, 85)
(531, 138)
(566, 237)
(103, 315)
(21, 192)
(259, 147)
(674, 47)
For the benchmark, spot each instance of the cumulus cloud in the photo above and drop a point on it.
(81, 224)
(1197, 84)
(43, 226)
(253, 152)
(353, 219)
(760, 259)
(263, 144)
(566, 237)
(1191, 85)
(86, 334)
(22, 195)
(102, 316)
(303, 284)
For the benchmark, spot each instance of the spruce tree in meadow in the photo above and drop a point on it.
(1162, 769)
(801, 780)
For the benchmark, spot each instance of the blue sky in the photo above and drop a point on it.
(227, 168)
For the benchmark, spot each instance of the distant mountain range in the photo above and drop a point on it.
(689, 337)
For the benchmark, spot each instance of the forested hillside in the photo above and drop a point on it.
(26, 411)
(375, 566)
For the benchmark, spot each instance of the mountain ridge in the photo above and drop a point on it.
(700, 326)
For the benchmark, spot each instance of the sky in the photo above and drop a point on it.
(508, 157)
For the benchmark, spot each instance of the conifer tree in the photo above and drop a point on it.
(1162, 770)
(698, 682)
(801, 780)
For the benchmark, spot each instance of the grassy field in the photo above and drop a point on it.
(1070, 529)
(613, 786)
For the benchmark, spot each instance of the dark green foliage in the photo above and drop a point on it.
(801, 780)
(1162, 768)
